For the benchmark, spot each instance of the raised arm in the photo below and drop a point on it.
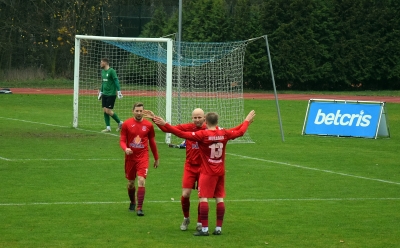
(237, 127)
(149, 114)
(195, 136)
(240, 130)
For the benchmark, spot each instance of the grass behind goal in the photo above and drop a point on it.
(65, 187)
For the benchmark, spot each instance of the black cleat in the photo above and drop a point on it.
(132, 207)
(140, 212)
(217, 232)
(201, 233)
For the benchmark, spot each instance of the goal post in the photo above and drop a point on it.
(87, 62)
(170, 78)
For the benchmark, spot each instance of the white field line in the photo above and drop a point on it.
(178, 202)
(40, 123)
(66, 159)
(314, 169)
(242, 156)
(47, 124)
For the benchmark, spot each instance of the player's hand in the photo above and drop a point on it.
(128, 151)
(119, 95)
(148, 114)
(100, 96)
(250, 116)
(159, 121)
(156, 162)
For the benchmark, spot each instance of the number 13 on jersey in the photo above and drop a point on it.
(216, 150)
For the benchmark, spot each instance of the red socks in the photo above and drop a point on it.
(204, 214)
(198, 213)
(131, 194)
(185, 202)
(220, 213)
(140, 197)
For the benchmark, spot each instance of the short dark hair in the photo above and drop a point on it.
(138, 104)
(105, 60)
(212, 118)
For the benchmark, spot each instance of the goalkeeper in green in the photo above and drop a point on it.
(108, 93)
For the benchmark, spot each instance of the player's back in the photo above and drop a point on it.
(213, 146)
(212, 143)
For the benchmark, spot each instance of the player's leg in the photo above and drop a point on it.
(105, 103)
(206, 190)
(108, 106)
(141, 175)
(130, 174)
(113, 114)
(185, 204)
(189, 179)
(204, 209)
(219, 198)
(119, 125)
(199, 225)
(131, 194)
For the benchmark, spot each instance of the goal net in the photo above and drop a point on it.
(170, 78)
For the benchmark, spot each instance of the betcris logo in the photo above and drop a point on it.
(343, 119)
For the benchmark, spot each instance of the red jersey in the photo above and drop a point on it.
(137, 135)
(192, 147)
(212, 145)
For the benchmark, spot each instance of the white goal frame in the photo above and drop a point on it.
(171, 77)
(168, 93)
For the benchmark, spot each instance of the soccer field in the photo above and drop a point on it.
(65, 187)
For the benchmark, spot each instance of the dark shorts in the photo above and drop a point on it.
(108, 101)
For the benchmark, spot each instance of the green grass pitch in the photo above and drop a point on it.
(65, 187)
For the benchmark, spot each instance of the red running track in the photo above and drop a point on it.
(259, 96)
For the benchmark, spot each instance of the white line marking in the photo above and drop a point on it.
(66, 159)
(315, 169)
(237, 200)
(47, 124)
(52, 125)
(247, 157)
(314, 199)
(33, 122)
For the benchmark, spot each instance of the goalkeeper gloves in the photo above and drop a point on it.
(119, 94)
(99, 96)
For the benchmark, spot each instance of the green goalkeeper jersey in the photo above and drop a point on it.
(110, 82)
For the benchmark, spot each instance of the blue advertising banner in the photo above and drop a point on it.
(344, 118)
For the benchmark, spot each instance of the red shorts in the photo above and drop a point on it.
(190, 178)
(135, 168)
(211, 186)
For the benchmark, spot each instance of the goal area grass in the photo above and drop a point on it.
(65, 187)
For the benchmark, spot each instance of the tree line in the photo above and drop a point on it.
(314, 44)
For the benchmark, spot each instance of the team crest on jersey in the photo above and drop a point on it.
(144, 128)
(136, 143)
(195, 146)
